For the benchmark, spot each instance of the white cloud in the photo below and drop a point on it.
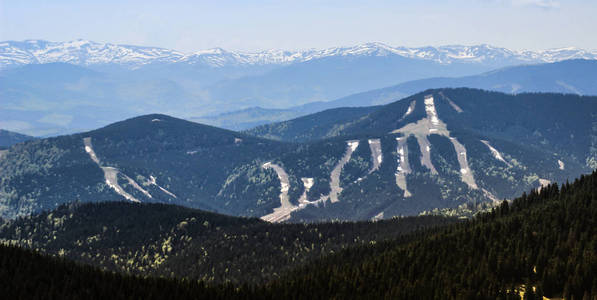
(544, 4)
(56, 119)
(15, 125)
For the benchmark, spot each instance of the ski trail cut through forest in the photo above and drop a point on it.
(403, 166)
(409, 110)
(376, 155)
(307, 184)
(281, 213)
(432, 124)
(496, 154)
(465, 171)
(335, 188)
(153, 181)
(110, 173)
(454, 105)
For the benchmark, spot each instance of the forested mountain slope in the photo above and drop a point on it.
(138, 159)
(541, 244)
(167, 240)
(437, 149)
(27, 275)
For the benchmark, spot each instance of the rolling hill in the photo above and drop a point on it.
(538, 245)
(442, 148)
(172, 241)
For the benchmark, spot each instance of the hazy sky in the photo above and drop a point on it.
(300, 24)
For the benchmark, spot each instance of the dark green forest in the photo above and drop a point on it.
(27, 275)
(174, 241)
(543, 243)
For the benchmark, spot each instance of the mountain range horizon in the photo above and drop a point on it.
(298, 149)
(17, 53)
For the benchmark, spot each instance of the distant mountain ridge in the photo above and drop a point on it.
(89, 53)
(50, 88)
(577, 76)
(9, 138)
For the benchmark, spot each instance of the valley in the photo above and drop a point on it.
(173, 241)
(369, 259)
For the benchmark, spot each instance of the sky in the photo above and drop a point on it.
(257, 25)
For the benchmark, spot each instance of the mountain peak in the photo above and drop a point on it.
(216, 50)
(85, 52)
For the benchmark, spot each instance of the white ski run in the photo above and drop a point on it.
(409, 110)
(403, 166)
(111, 174)
(152, 180)
(496, 154)
(281, 213)
(376, 155)
(431, 124)
(335, 188)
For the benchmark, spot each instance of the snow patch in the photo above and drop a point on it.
(353, 145)
(86, 53)
(307, 182)
(543, 183)
(378, 217)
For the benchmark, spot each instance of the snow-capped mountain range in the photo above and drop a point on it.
(89, 53)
